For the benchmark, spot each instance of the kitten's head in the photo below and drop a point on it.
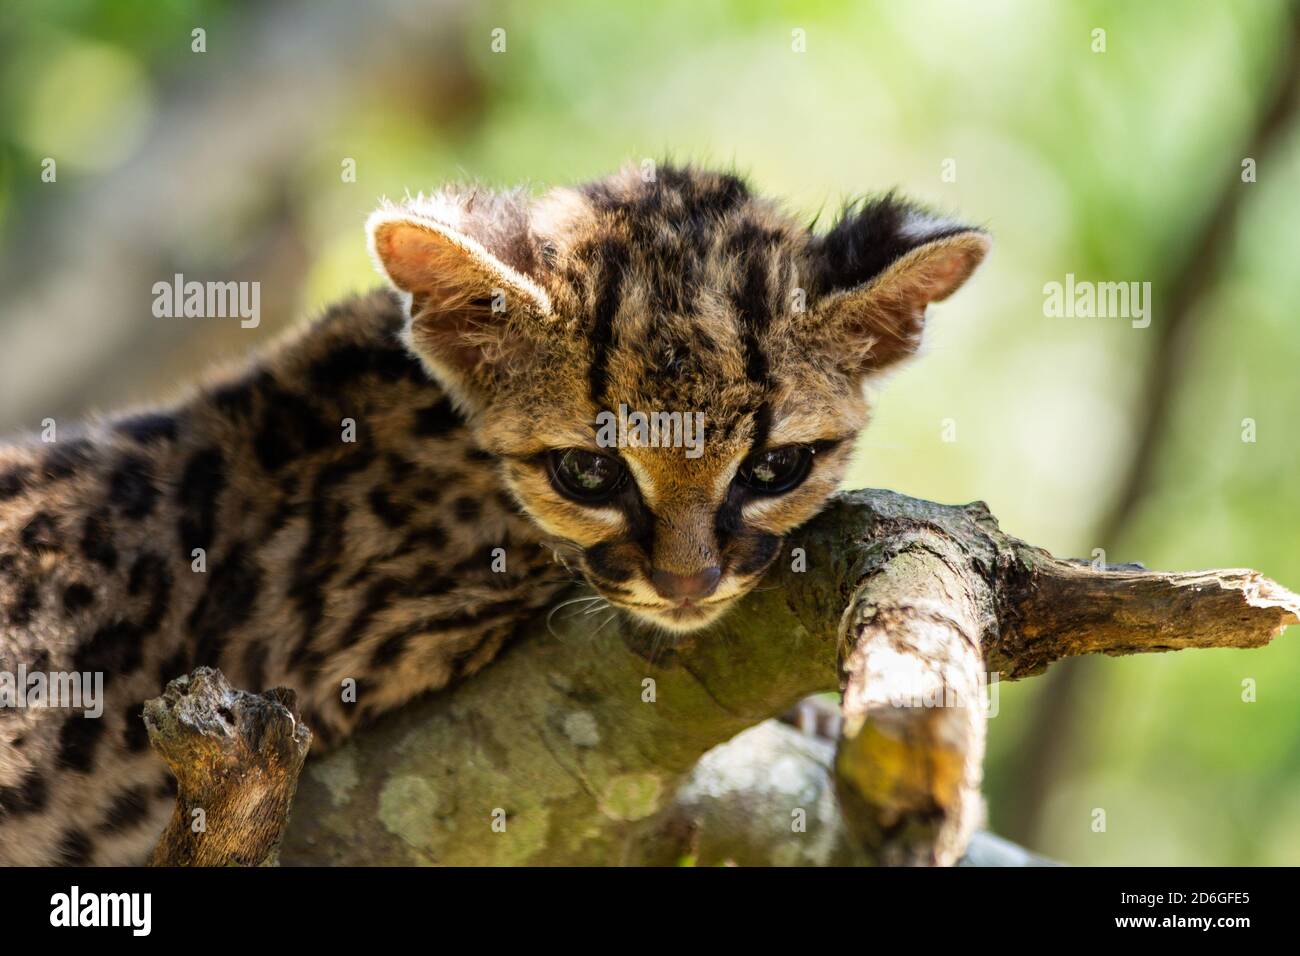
(557, 323)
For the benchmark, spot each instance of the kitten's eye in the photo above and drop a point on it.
(775, 470)
(584, 475)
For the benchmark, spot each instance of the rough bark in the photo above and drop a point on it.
(236, 758)
(569, 746)
(912, 745)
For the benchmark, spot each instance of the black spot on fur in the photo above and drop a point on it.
(430, 583)
(605, 561)
(254, 664)
(78, 738)
(400, 468)
(149, 574)
(135, 735)
(231, 595)
(29, 795)
(477, 565)
(430, 494)
(390, 648)
(236, 399)
(394, 645)
(40, 533)
(115, 649)
(66, 458)
(292, 427)
(75, 848)
(318, 562)
(640, 519)
(751, 243)
(467, 509)
(284, 511)
(97, 543)
(612, 257)
(672, 222)
(760, 551)
(178, 665)
(684, 192)
(141, 568)
(378, 595)
(201, 484)
(148, 427)
(26, 605)
(433, 538)
(13, 482)
(728, 521)
(322, 552)
(131, 489)
(77, 597)
(390, 512)
(727, 193)
(311, 661)
(347, 363)
(128, 809)
(438, 419)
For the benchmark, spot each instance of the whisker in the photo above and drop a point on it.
(587, 598)
(584, 599)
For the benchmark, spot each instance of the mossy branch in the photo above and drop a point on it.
(573, 744)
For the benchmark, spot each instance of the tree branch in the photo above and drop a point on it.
(912, 744)
(566, 749)
(767, 798)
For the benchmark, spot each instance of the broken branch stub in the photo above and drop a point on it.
(911, 746)
(236, 758)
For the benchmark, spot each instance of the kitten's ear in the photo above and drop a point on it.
(459, 295)
(878, 269)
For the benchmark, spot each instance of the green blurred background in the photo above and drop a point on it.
(1122, 165)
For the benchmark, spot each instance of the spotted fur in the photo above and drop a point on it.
(513, 323)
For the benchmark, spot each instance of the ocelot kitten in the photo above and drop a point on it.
(473, 388)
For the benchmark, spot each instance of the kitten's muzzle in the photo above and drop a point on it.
(684, 589)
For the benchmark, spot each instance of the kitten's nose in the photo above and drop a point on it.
(686, 587)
